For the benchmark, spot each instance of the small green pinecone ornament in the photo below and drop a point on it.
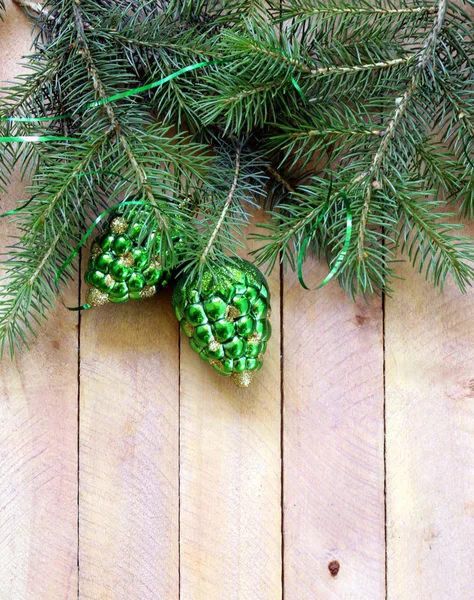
(227, 320)
(121, 269)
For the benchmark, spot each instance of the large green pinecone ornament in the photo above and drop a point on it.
(120, 269)
(227, 321)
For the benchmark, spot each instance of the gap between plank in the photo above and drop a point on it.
(179, 460)
(79, 317)
(282, 472)
(384, 414)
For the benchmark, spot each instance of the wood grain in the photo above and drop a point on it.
(230, 478)
(430, 441)
(38, 425)
(128, 511)
(333, 443)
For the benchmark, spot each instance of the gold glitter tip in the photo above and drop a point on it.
(189, 328)
(118, 225)
(260, 357)
(243, 379)
(95, 297)
(127, 259)
(255, 338)
(232, 313)
(148, 291)
(109, 280)
(269, 312)
(96, 250)
(216, 362)
(214, 345)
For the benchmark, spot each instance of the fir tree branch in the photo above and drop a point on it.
(280, 179)
(308, 10)
(391, 127)
(334, 70)
(102, 95)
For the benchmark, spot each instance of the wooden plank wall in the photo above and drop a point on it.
(129, 470)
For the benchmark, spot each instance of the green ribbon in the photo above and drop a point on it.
(342, 253)
(155, 84)
(118, 96)
(35, 138)
(32, 119)
(299, 90)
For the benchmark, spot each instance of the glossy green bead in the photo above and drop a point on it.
(140, 258)
(224, 330)
(178, 311)
(109, 283)
(215, 352)
(119, 290)
(107, 242)
(267, 334)
(245, 326)
(203, 354)
(135, 295)
(133, 231)
(228, 365)
(241, 303)
(102, 262)
(119, 271)
(264, 293)
(195, 314)
(222, 371)
(152, 276)
(203, 335)
(196, 348)
(193, 296)
(253, 350)
(88, 277)
(251, 293)
(240, 365)
(264, 328)
(136, 282)
(235, 348)
(240, 287)
(215, 308)
(251, 364)
(185, 328)
(96, 279)
(118, 299)
(226, 294)
(122, 244)
(260, 308)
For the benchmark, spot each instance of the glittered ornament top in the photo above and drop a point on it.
(227, 319)
(119, 267)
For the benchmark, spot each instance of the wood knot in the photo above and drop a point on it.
(361, 319)
(334, 567)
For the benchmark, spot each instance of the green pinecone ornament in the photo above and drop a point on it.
(119, 267)
(227, 321)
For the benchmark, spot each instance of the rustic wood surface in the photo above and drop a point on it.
(130, 471)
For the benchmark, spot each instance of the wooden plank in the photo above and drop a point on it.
(128, 478)
(38, 425)
(230, 478)
(333, 443)
(430, 441)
